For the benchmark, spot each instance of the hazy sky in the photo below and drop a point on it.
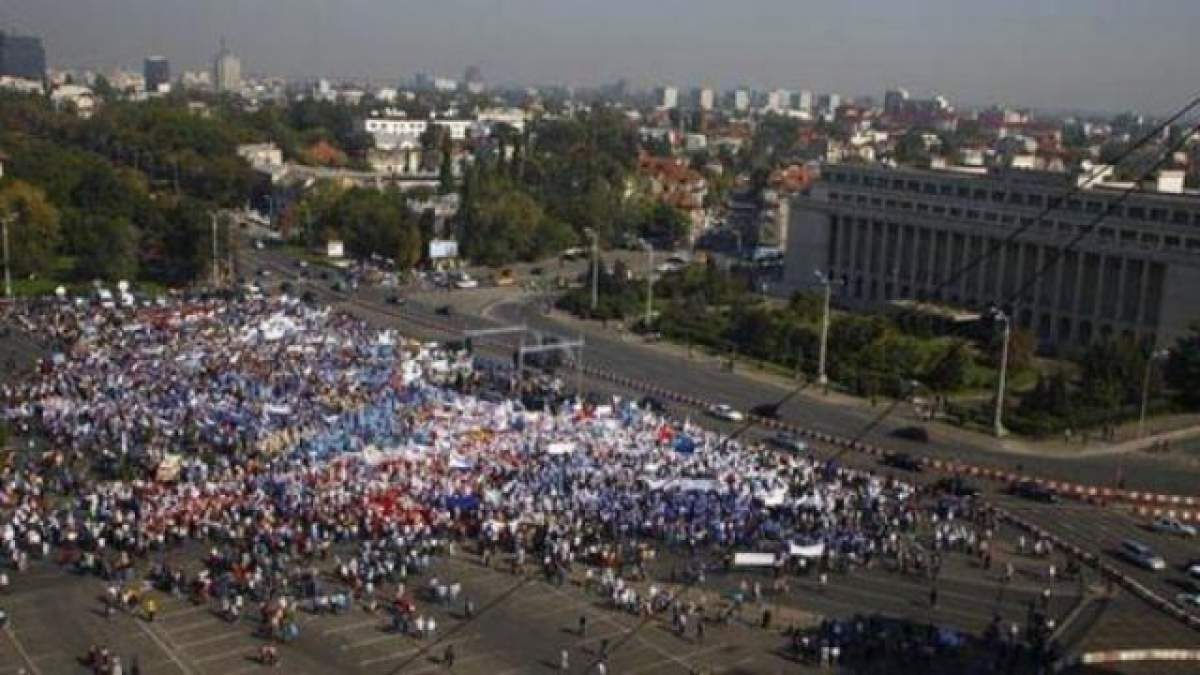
(1094, 54)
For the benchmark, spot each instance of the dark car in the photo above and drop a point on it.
(1031, 490)
(957, 486)
(308, 298)
(918, 434)
(653, 405)
(788, 441)
(444, 310)
(394, 299)
(286, 288)
(899, 460)
(536, 271)
(768, 411)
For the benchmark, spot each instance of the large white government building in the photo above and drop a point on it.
(900, 233)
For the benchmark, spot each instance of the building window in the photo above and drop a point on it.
(947, 190)
(1016, 198)
(980, 194)
(861, 199)
(1137, 213)
(906, 205)
(939, 210)
(1074, 205)
(1171, 242)
(972, 214)
(931, 189)
(998, 197)
(963, 192)
(891, 203)
(876, 201)
(897, 184)
(1008, 219)
(914, 186)
(1094, 207)
(1180, 218)
(1035, 200)
(989, 216)
(1158, 215)
(1026, 221)
(955, 212)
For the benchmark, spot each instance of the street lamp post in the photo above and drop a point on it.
(7, 265)
(998, 423)
(215, 260)
(1154, 356)
(649, 282)
(595, 267)
(825, 281)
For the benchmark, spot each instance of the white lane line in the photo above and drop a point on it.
(409, 652)
(145, 628)
(210, 640)
(681, 660)
(371, 641)
(352, 626)
(12, 635)
(439, 666)
(182, 612)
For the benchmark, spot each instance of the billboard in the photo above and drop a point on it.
(440, 249)
(335, 249)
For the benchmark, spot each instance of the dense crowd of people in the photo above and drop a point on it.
(280, 436)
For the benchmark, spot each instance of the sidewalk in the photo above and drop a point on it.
(1170, 428)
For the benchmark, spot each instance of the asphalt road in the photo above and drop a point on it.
(1094, 529)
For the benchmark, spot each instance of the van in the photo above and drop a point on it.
(1141, 555)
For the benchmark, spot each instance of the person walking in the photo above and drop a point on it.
(933, 597)
(564, 661)
(582, 625)
(448, 656)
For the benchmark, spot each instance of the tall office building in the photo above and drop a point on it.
(157, 71)
(668, 97)
(899, 234)
(894, 100)
(706, 99)
(779, 99)
(804, 101)
(227, 70)
(741, 100)
(22, 56)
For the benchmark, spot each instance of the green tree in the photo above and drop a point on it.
(33, 228)
(949, 368)
(1183, 367)
(108, 249)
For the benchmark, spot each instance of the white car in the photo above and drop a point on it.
(1173, 526)
(1188, 599)
(1193, 570)
(465, 282)
(726, 412)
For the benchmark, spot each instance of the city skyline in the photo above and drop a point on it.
(1100, 55)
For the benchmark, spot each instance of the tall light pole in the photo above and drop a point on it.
(828, 283)
(595, 267)
(215, 261)
(998, 424)
(7, 266)
(1155, 355)
(649, 282)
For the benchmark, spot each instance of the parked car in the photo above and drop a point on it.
(1142, 555)
(957, 486)
(445, 310)
(1188, 599)
(789, 441)
(768, 411)
(653, 405)
(1031, 490)
(900, 460)
(918, 434)
(395, 299)
(1193, 569)
(1173, 526)
(726, 412)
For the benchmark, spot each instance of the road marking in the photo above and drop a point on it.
(210, 640)
(416, 650)
(353, 626)
(175, 631)
(439, 666)
(12, 635)
(681, 660)
(183, 612)
(370, 641)
(145, 628)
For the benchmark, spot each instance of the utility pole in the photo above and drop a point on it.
(7, 265)
(595, 267)
(215, 261)
(649, 282)
(1154, 356)
(825, 281)
(998, 422)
